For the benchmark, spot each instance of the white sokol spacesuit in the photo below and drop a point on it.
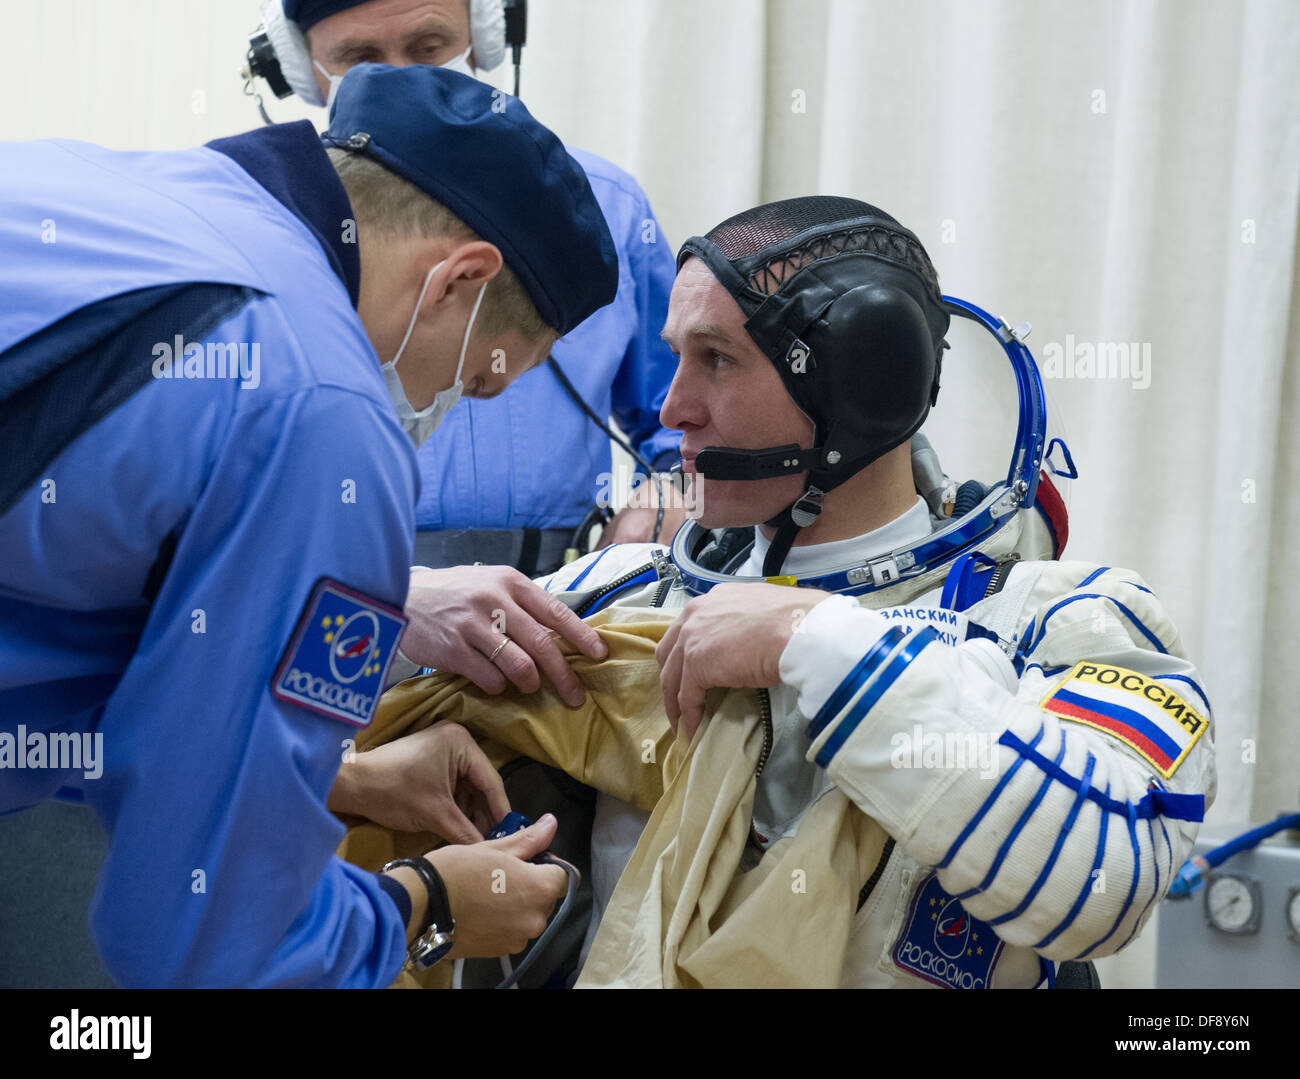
(1020, 831)
(1027, 731)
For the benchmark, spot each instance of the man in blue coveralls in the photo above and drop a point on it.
(213, 366)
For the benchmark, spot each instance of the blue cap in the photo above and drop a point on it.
(480, 153)
(307, 13)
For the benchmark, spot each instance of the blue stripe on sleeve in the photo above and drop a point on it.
(1155, 803)
(1155, 893)
(1155, 641)
(1079, 799)
(1015, 831)
(973, 823)
(911, 648)
(1082, 897)
(857, 677)
(1090, 578)
(1155, 859)
(1132, 888)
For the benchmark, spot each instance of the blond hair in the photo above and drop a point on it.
(389, 205)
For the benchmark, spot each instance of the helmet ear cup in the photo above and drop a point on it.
(879, 363)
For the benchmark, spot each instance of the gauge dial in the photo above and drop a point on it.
(1293, 915)
(1232, 903)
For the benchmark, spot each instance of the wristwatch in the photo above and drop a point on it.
(439, 930)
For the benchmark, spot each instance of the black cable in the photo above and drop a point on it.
(551, 929)
(591, 415)
(597, 513)
(516, 32)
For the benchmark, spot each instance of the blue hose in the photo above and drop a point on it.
(1191, 876)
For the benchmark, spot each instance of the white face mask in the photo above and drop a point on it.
(460, 63)
(420, 425)
(334, 84)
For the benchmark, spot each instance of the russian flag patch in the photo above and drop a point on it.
(1142, 712)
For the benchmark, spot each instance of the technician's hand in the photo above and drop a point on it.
(492, 624)
(731, 636)
(435, 780)
(500, 900)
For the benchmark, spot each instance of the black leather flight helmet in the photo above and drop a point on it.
(845, 303)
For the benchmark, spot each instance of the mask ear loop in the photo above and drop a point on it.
(464, 345)
(333, 80)
(410, 326)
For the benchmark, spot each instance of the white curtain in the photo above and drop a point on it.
(1118, 173)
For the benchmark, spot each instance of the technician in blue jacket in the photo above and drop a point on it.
(506, 481)
(214, 366)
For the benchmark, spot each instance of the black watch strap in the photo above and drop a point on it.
(437, 909)
(436, 936)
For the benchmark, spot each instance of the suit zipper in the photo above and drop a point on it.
(600, 594)
(999, 575)
(765, 705)
(874, 879)
(755, 841)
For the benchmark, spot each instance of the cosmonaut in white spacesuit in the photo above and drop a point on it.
(1028, 731)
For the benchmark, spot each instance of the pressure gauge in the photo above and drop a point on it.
(1232, 903)
(1293, 915)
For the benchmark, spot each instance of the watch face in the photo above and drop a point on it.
(431, 947)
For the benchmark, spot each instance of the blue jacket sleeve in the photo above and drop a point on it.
(643, 377)
(221, 870)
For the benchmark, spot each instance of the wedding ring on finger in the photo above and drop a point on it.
(497, 650)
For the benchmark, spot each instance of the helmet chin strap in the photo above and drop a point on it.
(718, 463)
(788, 523)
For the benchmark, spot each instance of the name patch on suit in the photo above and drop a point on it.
(943, 944)
(1142, 712)
(337, 659)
